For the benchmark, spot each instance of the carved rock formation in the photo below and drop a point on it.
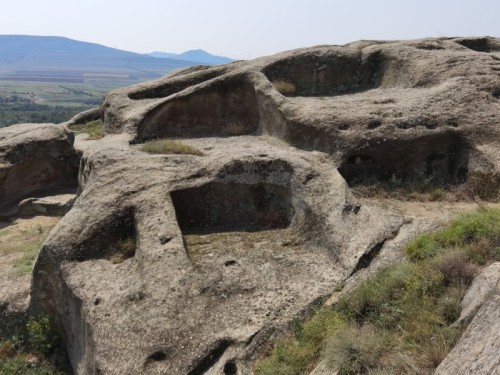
(182, 264)
(35, 159)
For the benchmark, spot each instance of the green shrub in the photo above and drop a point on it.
(167, 146)
(19, 365)
(295, 354)
(462, 232)
(40, 334)
(29, 356)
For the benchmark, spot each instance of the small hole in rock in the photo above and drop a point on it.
(405, 125)
(158, 356)
(97, 301)
(165, 239)
(230, 368)
(374, 124)
(452, 122)
(343, 127)
(496, 93)
(231, 262)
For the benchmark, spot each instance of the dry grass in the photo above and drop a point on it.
(235, 128)
(93, 129)
(22, 240)
(167, 146)
(284, 87)
(122, 250)
(485, 186)
(479, 186)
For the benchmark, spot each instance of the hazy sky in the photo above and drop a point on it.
(246, 29)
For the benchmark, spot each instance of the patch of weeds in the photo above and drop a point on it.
(402, 320)
(298, 352)
(24, 264)
(167, 146)
(284, 87)
(40, 335)
(29, 353)
(465, 232)
(351, 350)
(23, 364)
(93, 128)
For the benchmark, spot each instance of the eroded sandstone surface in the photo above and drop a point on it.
(35, 159)
(477, 351)
(182, 264)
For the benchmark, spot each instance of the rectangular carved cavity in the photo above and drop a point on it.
(227, 107)
(233, 206)
(331, 74)
(175, 85)
(437, 159)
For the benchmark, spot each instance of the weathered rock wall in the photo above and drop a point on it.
(35, 158)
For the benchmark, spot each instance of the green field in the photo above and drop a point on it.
(39, 101)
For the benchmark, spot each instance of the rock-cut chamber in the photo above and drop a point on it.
(233, 206)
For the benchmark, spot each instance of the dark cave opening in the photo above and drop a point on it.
(232, 206)
(435, 159)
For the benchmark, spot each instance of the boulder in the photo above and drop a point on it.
(84, 117)
(52, 205)
(193, 264)
(35, 159)
(477, 351)
(483, 287)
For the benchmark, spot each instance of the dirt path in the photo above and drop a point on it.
(437, 210)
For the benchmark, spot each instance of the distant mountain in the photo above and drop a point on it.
(197, 55)
(163, 55)
(40, 57)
